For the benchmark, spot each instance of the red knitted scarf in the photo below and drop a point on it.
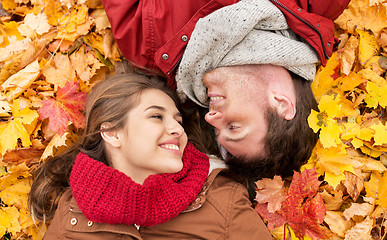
(106, 195)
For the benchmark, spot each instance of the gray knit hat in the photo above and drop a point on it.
(247, 32)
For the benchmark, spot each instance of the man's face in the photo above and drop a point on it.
(238, 102)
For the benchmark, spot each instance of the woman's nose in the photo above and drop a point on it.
(212, 117)
(175, 129)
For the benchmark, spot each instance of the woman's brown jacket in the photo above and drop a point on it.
(221, 211)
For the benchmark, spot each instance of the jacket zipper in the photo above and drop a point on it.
(307, 23)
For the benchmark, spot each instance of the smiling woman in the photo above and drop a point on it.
(133, 168)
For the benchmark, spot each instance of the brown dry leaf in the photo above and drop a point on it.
(22, 80)
(361, 231)
(343, 38)
(93, 3)
(62, 45)
(271, 191)
(110, 47)
(337, 222)
(374, 64)
(358, 209)
(382, 40)
(59, 71)
(85, 64)
(333, 200)
(20, 155)
(34, 24)
(353, 184)
(33, 51)
(100, 19)
(360, 15)
(348, 55)
(5, 109)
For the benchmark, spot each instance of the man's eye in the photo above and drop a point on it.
(232, 127)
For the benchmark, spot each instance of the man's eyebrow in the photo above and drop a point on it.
(237, 139)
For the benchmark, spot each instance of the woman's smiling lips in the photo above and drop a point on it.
(172, 146)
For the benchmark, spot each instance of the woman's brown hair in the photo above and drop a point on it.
(109, 101)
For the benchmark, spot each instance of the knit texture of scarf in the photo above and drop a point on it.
(106, 195)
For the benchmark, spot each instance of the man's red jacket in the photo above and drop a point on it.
(152, 34)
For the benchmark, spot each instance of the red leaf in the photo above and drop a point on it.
(67, 107)
(273, 219)
(304, 184)
(303, 209)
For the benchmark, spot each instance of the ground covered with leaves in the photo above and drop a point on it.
(52, 52)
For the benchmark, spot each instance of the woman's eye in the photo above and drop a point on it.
(157, 116)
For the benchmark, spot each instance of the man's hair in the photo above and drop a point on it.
(288, 143)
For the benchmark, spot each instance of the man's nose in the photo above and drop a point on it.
(213, 117)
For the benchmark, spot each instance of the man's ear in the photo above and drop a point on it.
(111, 137)
(284, 106)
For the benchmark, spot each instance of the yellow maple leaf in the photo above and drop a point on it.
(9, 220)
(325, 120)
(367, 46)
(371, 152)
(323, 79)
(376, 95)
(17, 194)
(348, 83)
(13, 130)
(330, 162)
(74, 23)
(96, 41)
(376, 188)
(361, 15)
(11, 29)
(9, 4)
(380, 136)
(54, 11)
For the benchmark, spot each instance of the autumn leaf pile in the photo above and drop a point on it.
(342, 190)
(52, 52)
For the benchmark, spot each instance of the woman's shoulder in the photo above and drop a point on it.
(69, 222)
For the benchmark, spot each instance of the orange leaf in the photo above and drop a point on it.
(270, 191)
(65, 108)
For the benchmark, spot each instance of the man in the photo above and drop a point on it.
(254, 66)
(242, 70)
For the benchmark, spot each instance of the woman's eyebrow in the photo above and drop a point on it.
(156, 107)
(178, 114)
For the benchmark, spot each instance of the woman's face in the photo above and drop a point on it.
(153, 139)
